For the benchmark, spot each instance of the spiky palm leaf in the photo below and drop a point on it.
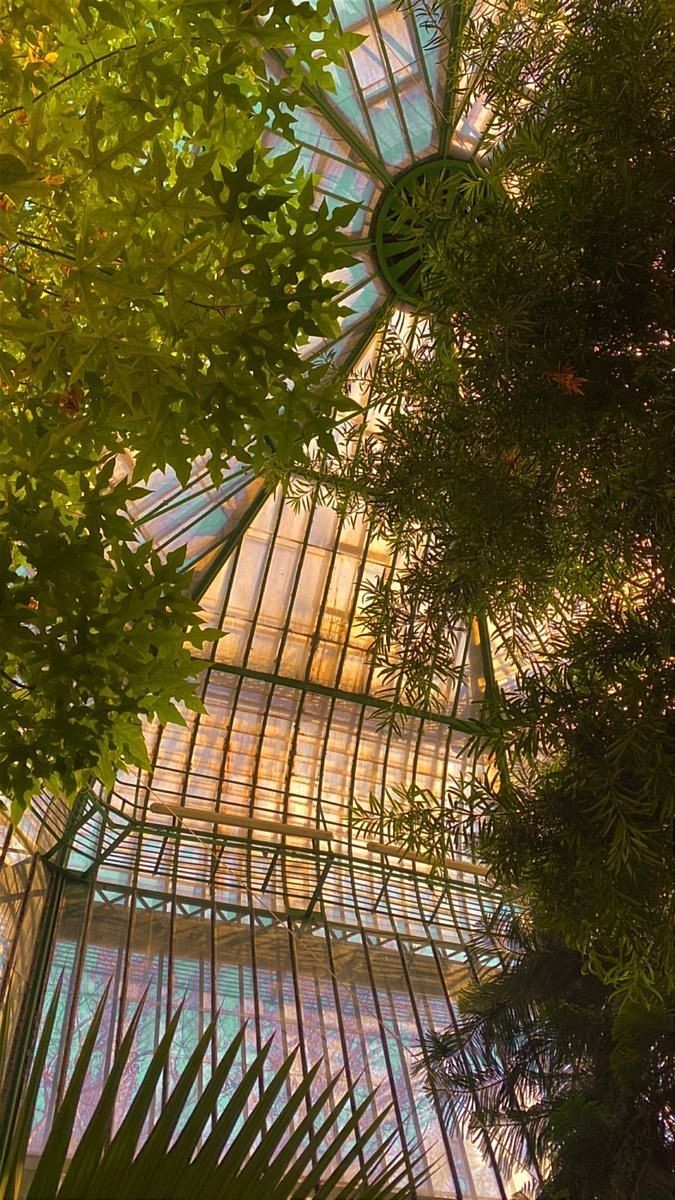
(303, 1150)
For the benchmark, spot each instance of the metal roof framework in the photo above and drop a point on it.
(311, 934)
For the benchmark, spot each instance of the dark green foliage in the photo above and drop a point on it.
(522, 476)
(522, 472)
(92, 627)
(574, 819)
(308, 1145)
(580, 822)
(566, 1056)
(525, 458)
(543, 1060)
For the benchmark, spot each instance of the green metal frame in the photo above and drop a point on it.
(229, 543)
(345, 861)
(395, 231)
(26, 1027)
(361, 699)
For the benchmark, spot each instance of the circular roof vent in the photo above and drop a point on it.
(396, 232)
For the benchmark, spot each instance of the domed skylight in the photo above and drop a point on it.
(400, 100)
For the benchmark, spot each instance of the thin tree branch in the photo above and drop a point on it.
(67, 78)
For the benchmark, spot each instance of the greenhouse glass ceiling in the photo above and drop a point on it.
(232, 874)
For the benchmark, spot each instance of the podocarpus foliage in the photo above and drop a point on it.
(564, 1052)
(524, 459)
(542, 1065)
(159, 270)
(522, 474)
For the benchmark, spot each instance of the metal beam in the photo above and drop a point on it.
(330, 859)
(229, 543)
(463, 866)
(361, 699)
(341, 126)
(77, 818)
(225, 816)
(27, 1024)
(268, 875)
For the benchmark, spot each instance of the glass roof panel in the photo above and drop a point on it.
(293, 729)
(401, 98)
(348, 102)
(197, 516)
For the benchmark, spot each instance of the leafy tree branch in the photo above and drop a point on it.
(161, 268)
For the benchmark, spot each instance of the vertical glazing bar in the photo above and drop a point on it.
(17, 931)
(349, 1077)
(420, 1035)
(26, 1026)
(73, 993)
(299, 1016)
(378, 1012)
(453, 1019)
(6, 841)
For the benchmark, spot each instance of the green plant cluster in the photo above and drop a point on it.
(541, 1068)
(522, 475)
(247, 1135)
(578, 820)
(160, 268)
(563, 1055)
(524, 460)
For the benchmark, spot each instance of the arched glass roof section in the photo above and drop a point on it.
(402, 98)
(232, 873)
(291, 690)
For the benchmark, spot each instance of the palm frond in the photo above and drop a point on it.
(285, 1149)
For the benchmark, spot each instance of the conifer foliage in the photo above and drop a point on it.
(522, 473)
